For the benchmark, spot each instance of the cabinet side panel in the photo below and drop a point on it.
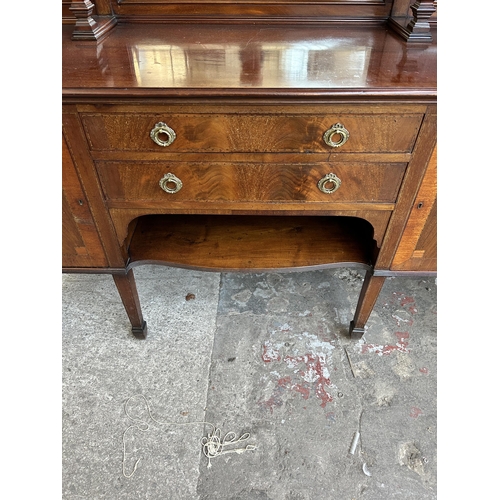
(84, 166)
(81, 246)
(410, 187)
(417, 250)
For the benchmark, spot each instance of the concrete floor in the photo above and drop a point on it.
(264, 354)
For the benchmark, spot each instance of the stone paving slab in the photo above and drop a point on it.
(265, 354)
(104, 365)
(284, 370)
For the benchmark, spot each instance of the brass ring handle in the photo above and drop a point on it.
(337, 129)
(329, 179)
(168, 179)
(162, 128)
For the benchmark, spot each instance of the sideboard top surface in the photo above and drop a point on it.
(159, 60)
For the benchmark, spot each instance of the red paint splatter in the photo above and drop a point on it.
(415, 412)
(269, 353)
(405, 300)
(284, 381)
(302, 390)
(315, 374)
(400, 346)
(403, 337)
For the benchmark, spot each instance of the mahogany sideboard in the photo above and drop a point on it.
(255, 137)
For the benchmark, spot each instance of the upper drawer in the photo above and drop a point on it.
(234, 132)
(250, 182)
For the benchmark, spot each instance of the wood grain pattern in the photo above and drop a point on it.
(125, 220)
(251, 133)
(417, 250)
(81, 246)
(248, 182)
(411, 183)
(252, 243)
(249, 104)
(75, 140)
(103, 7)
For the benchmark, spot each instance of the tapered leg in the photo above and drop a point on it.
(125, 283)
(367, 298)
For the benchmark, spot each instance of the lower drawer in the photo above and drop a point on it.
(246, 182)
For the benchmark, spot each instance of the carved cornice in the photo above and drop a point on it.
(88, 27)
(419, 28)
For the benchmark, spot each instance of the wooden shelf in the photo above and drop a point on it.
(251, 243)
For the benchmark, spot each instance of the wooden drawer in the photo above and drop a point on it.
(243, 182)
(237, 132)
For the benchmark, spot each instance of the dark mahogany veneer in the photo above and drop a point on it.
(296, 141)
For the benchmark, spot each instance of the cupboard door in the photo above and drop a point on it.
(417, 250)
(81, 246)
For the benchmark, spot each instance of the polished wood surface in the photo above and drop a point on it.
(125, 284)
(81, 246)
(249, 105)
(234, 183)
(75, 140)
(366, 302)
(217, 60)
(213, 130)
(417, 250)
(327, 11)
(417, 26)
(67, 16)
(125, 220)
(415, 172)
(410, 19)
(298, 11)
(252, 243)
(103, 7)
(87, 26)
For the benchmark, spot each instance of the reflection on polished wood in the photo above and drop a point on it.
(237, 60)
(249, 105)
